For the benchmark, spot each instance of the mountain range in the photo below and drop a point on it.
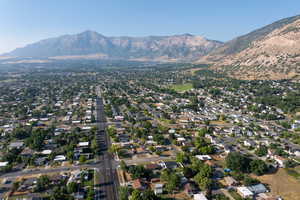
(271, 52)
(91, 44)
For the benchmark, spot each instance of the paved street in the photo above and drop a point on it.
(108, 186)
(45, 171)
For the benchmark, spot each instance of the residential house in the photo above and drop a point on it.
(230, 181)
(249, 143)
(16, 145)
(190, 188)
(203, 157)
(3, 164)
(169, 164)
(280, 160)
(200, 196)
(158, 188)
(257, 189)
(244, 192)
(60, 158)
(139, 184)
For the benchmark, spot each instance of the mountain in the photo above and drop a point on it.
(184, 47)
(271, 52)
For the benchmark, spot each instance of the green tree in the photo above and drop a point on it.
(42, 184)
(207, 122)
(200, 142)
(188, 172)
(222, 117)
(202, 132)
(124, 193)
(207, 150)
(238, 162)
(261, 151)
(250, 181)
(204, 183)
(95, 146)
(20, 133)
(70, 155)
(139, 171)
(114, 148)
(91, 193)
(149, 195)
(173, 182)
(182, 157)
(136, 195)
(123, 166)
(82, 159)
(220, 197)
(258, 167)
(36, 140)
(72, 187)
(58, 193)
(205, 171)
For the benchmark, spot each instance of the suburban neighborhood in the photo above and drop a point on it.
(164, 133)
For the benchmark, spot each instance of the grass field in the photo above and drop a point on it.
(182, 87)
(294, 173)
(194, 70)
(282, 184)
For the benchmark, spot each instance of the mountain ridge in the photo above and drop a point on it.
(240, 43)
(270, 52)
(177, 47)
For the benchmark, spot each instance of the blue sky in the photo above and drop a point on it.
(27, 21)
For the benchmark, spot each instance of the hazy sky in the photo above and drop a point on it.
(27, 21)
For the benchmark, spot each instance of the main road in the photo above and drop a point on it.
(108, 185)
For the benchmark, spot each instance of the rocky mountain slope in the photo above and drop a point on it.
(272, 52)
(184, 47)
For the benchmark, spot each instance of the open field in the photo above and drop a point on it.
(182, 87)
(282, 184)
(220, 123)
(181, 196)
(194, 70)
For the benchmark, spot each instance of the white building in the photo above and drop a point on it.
(46, 152)
(158, 188)
(3, 164)
(244, 192)
(83, 144)
(203, 157)
(200, 196)
(60, 158)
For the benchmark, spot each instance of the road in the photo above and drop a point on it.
(46, 171)
(108, 186)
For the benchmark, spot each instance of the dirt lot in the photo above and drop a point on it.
(282, 184)
(181, 196)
